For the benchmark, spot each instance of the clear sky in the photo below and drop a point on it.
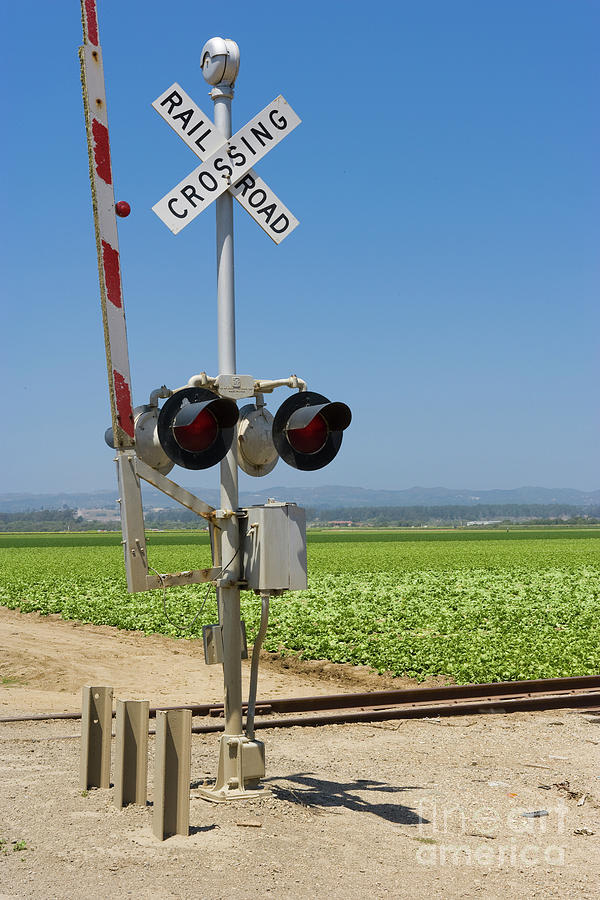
(443, 280)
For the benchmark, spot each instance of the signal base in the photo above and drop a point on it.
(241, 766)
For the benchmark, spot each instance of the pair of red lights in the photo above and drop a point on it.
(196, 428)
(202, 431)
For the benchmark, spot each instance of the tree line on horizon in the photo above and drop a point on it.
(66, 519)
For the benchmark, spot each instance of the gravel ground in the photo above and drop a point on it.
(421, 808)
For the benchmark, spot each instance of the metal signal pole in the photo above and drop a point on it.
(229, 598)
(238, 762)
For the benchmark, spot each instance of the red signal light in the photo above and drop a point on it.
(196, 427)
(311, 438)
(307, 430)
(199, 434)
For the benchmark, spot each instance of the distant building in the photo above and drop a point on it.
(99, 515)
(486, 522)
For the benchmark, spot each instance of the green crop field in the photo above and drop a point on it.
(474, 606)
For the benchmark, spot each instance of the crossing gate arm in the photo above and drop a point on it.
(105, 225)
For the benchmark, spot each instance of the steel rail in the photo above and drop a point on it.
(577, 700)
(574, 691)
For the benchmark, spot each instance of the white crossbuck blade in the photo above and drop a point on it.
(195, 128)
(227, 164)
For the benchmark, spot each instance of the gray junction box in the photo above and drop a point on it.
(273, 547)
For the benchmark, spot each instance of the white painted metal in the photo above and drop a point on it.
(228, 591)
(187, 120)
(111, 297)
(264, 206)
(212, 637)
(147, 444)
(257, 455)
(195, 128)
(258, 641)
(220, 61)
(267, 387)
(105, 222)
(237, 387)
(227, 164)
(261, 385)
(129, 471)
(190, 501)
(193, 576)
(273, 547)
(132, 522)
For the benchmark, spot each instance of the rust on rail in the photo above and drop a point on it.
(454, 699)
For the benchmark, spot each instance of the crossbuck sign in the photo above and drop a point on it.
(227, 164)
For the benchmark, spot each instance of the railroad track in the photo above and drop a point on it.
(408, 703)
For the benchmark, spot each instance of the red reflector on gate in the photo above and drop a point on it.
(311, 438)
(199, 434)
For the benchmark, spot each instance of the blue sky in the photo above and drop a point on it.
(443, 280)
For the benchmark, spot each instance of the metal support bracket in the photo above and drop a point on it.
(130, 469)
(238, 386)
(174, 490)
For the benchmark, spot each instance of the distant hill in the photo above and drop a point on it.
(327, 497)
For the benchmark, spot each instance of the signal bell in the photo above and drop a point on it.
(195, 427)
(308, 430)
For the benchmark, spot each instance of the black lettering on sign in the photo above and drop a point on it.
(281, 123)
(212, 185)
(234, 155)
(253, 152)
(196, 127)
(185, 117)
(261, 132)
(246, 183)
(267, 211)
(277, 220)
(222, 166)
(174, 99)
(171, 204)
(189, 192)
(255, 199)
(198, 142)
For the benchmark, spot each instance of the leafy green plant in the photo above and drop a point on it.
(474, 607)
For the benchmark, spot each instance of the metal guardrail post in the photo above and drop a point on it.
(172, 770)
(131, 754)
(96, 733)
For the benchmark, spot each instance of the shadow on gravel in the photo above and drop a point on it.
(321, 796)
(199, 829)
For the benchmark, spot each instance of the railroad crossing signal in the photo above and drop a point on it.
(195, 128)
(227, 163)
(196, 425)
